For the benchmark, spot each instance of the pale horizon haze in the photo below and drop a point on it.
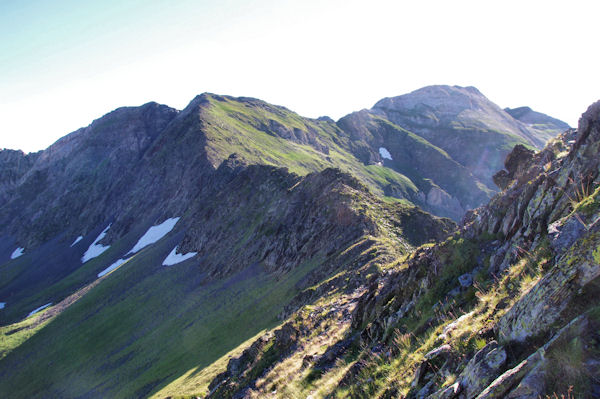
(64, 63)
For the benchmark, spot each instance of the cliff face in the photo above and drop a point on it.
(13, 166)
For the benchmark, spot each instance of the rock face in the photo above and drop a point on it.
(519, 158)
(482, 369)
(70, 183)
(13, 166)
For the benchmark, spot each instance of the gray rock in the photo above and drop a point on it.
(563, 236)
(443, 350)
(508, 379)
(466, 280)
(447, 393)
(530, 373)
(425, 391)
(496, 358)
(483, 368)
(541, 307)
(531, 386)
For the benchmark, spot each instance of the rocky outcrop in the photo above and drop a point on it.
(243, 370)
(482, 369)
(13, 166)
(549, 206)
(516, 162)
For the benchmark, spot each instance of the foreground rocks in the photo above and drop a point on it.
(547, 213)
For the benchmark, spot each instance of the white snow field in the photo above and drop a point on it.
(154, 234)
(77, 240)
(34, 311)
(17, 252)
(96, 249)
(385, 153)
(112, 267)
(174, 258)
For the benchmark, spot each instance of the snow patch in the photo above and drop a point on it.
(17, 252)
(385, 153)
(96, 249)
(112, 267)
(154, 234)
(2, 305)
(174, 258)
(34, 311)
(77, 240)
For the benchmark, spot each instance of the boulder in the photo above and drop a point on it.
(447, 393)
(564, 233)
(483, 368)
(466, 280)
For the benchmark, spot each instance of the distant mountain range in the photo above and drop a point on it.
(437, 147)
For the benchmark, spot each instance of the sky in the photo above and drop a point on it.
(64, 63)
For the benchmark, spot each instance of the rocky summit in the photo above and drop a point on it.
(433, 246)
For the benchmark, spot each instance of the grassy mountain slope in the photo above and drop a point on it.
(262, 133)
(145, 325)
(134, 168)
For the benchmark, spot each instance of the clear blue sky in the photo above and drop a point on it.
(64, 63)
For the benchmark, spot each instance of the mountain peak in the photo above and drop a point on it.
(451, 100)
(530, 117)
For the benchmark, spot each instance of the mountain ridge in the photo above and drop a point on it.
(360, 154)
(304, 254)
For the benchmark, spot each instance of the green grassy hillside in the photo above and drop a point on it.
(146, 327)
(261, 133)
